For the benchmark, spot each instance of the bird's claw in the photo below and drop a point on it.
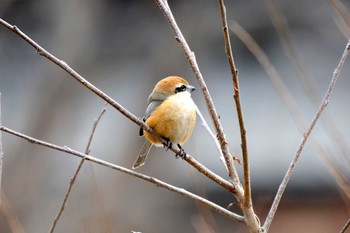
(168, 144)
(182, 154)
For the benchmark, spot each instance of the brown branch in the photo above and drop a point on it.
(72, 181)
(346, 226)
(149, 179)
(217, 144)
(304, 139)
(41, 51)
(291, 104)
(343, 16)
(252, 220)
(234, 74)
(164, 7)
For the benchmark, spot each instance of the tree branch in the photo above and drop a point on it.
(307, 133)
(149, 179)
(217, 144)
(291, 104)
(72, 181)
(41, 51)
(234, 74)
(252, 220)
(346, 226)
(164, 7)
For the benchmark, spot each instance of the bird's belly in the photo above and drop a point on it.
(174, 120)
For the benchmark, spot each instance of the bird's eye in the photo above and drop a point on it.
(180, 88)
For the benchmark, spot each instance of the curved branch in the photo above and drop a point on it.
(41, 51)
(152, 180)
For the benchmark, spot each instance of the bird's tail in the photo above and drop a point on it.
(142, 155)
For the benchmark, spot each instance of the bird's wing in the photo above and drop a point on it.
(150, 108)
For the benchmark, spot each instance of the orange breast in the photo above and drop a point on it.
(174, 119)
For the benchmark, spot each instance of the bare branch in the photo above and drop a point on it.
(343, 16)
(234, 74)
(164, 7)
(149, 179)
(304, 139)
(120, 108)
(291, 104)
(252, 221)
(72, 181)
(310, 86)
(217, 144)
(346, 226)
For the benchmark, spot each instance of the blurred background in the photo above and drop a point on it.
(124, 48)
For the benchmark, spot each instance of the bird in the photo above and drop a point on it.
(171, 113)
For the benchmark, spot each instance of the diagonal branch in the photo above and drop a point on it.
(41, 51)
(149, 179)
(307, 133)
(72, 181)
(164, 7)
(291, 105)
(346, 226)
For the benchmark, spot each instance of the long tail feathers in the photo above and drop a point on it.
(142, 155)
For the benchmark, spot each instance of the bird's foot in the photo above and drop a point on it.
(182, 154)
(168, 144)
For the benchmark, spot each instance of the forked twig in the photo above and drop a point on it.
(307, 133)
(72, 181)
(149, 179)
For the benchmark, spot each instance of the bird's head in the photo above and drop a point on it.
(170, 86)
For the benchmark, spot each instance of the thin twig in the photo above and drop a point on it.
(346, 226)
(117, 106)
(307, 133)
(310, 86)
(72, 181)
(217, 144)
(271, 72)
(252, 220)
(164, 7)
(149, 179)
(234, 74)
(291, 104)
(343, 16)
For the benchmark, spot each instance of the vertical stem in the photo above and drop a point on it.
(234, 74)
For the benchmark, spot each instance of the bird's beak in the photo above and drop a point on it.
(190, 88)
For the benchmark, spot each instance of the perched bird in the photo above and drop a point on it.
(171, 113)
